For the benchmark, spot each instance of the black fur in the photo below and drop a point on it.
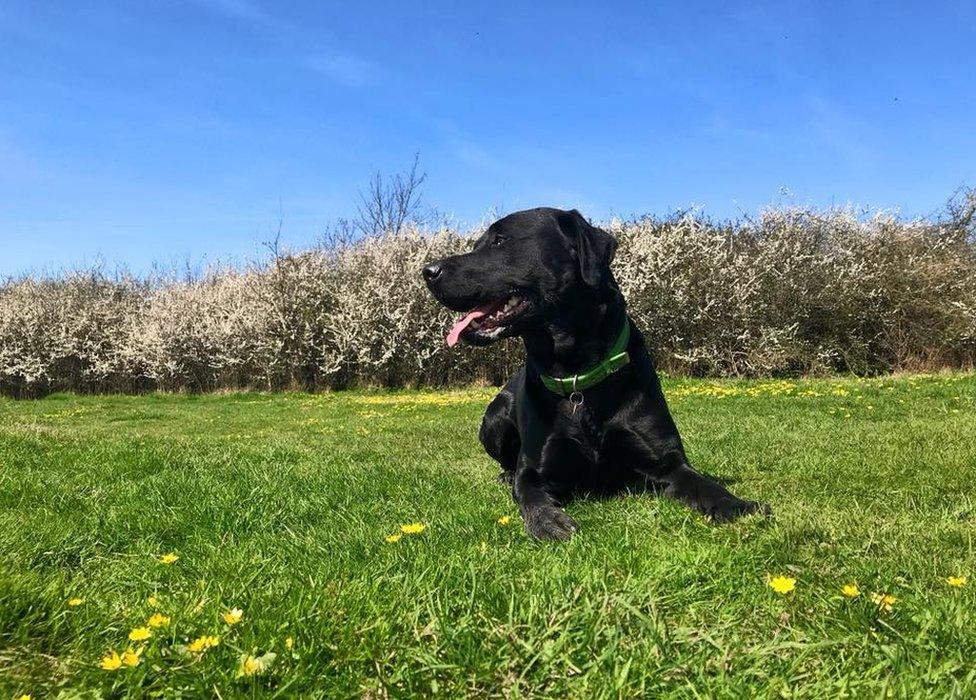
(622, 435)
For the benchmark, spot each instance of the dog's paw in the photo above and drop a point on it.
(506, 478)
(731, 509)
(549, 523)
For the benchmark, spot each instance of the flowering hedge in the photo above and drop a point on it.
(796, 291)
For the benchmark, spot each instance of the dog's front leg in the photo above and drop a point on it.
(663, 462)
(703, 493)
(543, 516)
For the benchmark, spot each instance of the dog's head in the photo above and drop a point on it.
(526, 268)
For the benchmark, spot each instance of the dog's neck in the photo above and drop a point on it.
(577, 339)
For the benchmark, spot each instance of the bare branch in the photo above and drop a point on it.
(389, 204)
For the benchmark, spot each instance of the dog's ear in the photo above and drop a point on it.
(594, 246)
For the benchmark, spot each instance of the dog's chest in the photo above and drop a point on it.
(573, 457)
(579, 423)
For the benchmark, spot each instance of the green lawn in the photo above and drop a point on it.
(280, 505)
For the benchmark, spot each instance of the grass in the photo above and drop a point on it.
(280, 504)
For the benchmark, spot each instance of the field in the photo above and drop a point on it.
(280, 506)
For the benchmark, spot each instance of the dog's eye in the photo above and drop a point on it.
(498, 240)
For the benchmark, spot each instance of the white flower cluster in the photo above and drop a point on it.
(794, 291)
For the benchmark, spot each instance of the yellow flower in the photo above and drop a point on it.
(249, 666)
(201, 644)
(158, 620)
(954, 581)
(169, 558)
(505, 520)
(395, 537)
(883, 601)
(140, 634)
(253, 665)
(289, 643)
(153, 601)
(131, 658)
(413, 528)
(111, 661)
(851, 590)
(75, 602)
(232, 617)
(25, 696)
(782, 584)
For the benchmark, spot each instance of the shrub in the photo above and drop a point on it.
(69, 332)
(795, 291)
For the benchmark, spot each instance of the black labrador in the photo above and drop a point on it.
(585, 415)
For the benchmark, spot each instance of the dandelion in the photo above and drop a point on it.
(782, 584)
(505, 520)
(850, 590)
(884, 601)
(25, 696)
(956, 581)
(254, 665)
(289, 643)
(232, 617)
(413, 528)
(395, 537)
(75, 602)
(131, 658)
(249, 666)
(158, 620)
(111, 661)
(140, 634)
(169, 558)
(202, 644)
(153, 601)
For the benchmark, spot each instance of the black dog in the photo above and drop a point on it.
(585, 415)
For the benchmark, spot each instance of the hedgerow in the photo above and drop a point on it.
(794, 291)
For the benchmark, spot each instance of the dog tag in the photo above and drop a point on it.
(576, 398)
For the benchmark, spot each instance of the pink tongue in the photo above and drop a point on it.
(455, 333)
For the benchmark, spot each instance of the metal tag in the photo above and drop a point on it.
(576, 398)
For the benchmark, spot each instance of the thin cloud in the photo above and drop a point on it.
(346, 69)
(471, 154)
(250, 12)
(238, 9)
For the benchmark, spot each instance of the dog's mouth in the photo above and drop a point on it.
(487, 322)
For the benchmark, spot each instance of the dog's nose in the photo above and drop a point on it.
(432, 272)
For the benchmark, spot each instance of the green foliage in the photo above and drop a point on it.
(280, 505)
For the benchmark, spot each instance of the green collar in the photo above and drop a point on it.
(615, 359)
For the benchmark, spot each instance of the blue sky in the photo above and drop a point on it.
(140, 131)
